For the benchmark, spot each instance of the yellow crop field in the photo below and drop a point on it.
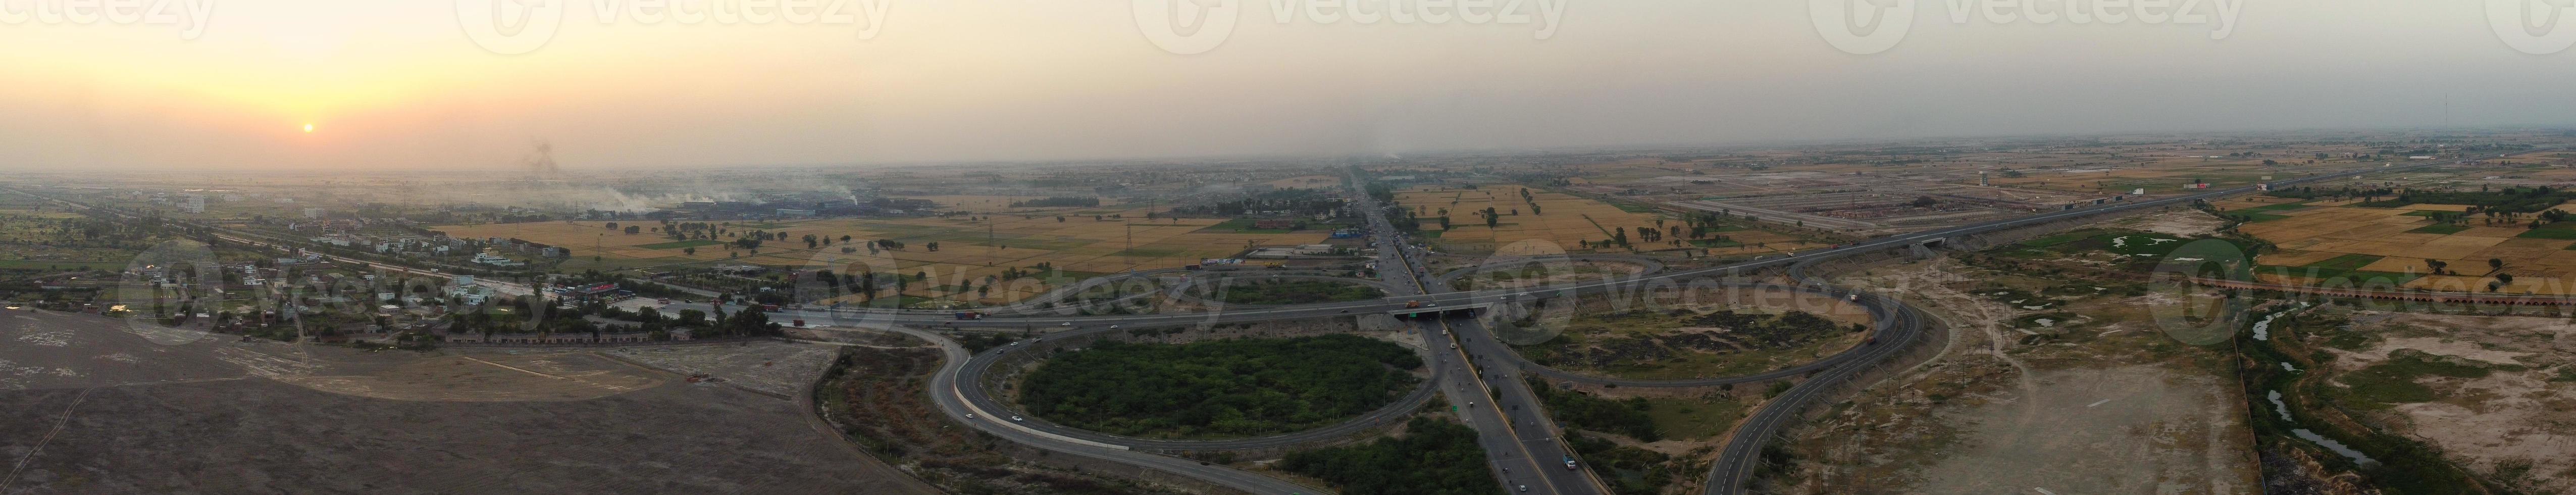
(970, 247)
(1566, 221)
(2404, 243)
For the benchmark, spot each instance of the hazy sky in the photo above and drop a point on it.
(402, 83)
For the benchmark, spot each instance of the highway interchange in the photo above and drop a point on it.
(1468, 366)
(1521, 443)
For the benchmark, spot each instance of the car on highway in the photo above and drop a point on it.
(1524, 488)
(1017, 418)
(970, 415)
(1065, 324)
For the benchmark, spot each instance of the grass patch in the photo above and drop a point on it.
(62, 265)
(2345, 262)
(1633, 207)
(1695, 419)
(2443, 229)
(1714, 243)
(2560, 230)
(681, 244)
(2271, 208)
(2395, 381)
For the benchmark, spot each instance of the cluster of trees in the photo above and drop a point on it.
(1290, 201)
(83, 232)
(1234, 387)
(1058, 202)
(1434, 457)
(2507, 203)
(751, 321)
(1654, 470)
(1580, 410)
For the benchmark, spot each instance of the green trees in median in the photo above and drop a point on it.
(1223, 388)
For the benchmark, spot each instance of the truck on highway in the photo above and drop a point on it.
(1412, 304)
(970, 315)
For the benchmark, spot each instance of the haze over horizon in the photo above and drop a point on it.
(403, 86)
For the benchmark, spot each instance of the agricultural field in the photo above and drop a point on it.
(1563, 222)
(2392, 243)
(1071, 246)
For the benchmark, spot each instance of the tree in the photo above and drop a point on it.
(2495, 263)
(1924, 202)
(690, 251)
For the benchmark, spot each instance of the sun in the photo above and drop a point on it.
(308, 128)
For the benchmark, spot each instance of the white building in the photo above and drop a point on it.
(491, 256)
(193, 203)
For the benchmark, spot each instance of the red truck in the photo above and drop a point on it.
(970, 315)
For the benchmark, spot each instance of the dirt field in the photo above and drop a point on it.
(2101, 403)
(2180, 222)
(970, 250)
(2510, 424)
(1564, 220)
(104, 410)
(1718, 334)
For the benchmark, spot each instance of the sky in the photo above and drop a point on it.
(217, 85)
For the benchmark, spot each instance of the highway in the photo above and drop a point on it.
(1520, 442)
(1518, 451)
